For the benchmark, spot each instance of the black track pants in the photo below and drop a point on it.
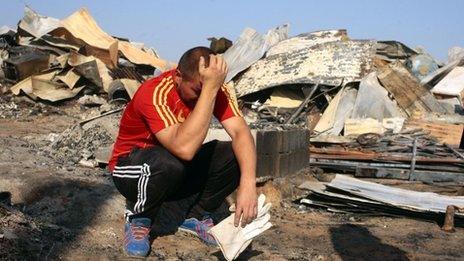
(150, 176)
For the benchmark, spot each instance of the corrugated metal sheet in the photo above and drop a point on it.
(329, 63)
(250, 47)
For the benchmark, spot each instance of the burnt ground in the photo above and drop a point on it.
(64, 211)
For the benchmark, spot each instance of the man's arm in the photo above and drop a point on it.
(184, 139)
(245, 152)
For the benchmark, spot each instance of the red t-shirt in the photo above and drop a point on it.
(155, 106)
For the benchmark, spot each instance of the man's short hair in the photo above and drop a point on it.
(188, 63)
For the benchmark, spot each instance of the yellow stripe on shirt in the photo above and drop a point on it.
(231, 101)
(170, 112)
(157, 106)
(162, 101)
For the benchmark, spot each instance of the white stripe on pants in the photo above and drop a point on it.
(142, 189)
(141, 172)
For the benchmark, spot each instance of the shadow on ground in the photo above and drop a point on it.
(353, 242)
(245, 255)
(53, 215)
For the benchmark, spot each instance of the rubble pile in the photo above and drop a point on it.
(53, 60)
(409, 155)
(82, 143)
(11, 108)
(8, 109)
(349, 80)
(77, 143)
(344, 90)
(335, 87)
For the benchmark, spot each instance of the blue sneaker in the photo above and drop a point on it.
(200, 229)
(137, 237)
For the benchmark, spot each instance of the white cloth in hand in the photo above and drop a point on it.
(234, 240)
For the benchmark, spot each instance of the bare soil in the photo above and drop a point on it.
(64, 211)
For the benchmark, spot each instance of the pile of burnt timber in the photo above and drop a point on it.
(408, 155)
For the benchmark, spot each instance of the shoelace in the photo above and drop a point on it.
(208, 222)
(139, 232)
(202, 231)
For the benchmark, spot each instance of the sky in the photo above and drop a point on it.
(172, 27)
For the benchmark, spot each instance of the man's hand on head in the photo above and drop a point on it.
(213, 76)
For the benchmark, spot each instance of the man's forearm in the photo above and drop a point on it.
(192, 132)
(245, 152)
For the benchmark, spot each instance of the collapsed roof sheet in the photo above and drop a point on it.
(138, 56)
(41, 86)
(452, 84)
(4, 29)
(329, 63)
(373, 101)
(81, 30)
(306, 40)
(393, 50)
(250, 47)
(36, 24)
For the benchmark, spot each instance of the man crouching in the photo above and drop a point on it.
(159, 153)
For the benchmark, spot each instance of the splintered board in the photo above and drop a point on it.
(450, 134)
(412, 97)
